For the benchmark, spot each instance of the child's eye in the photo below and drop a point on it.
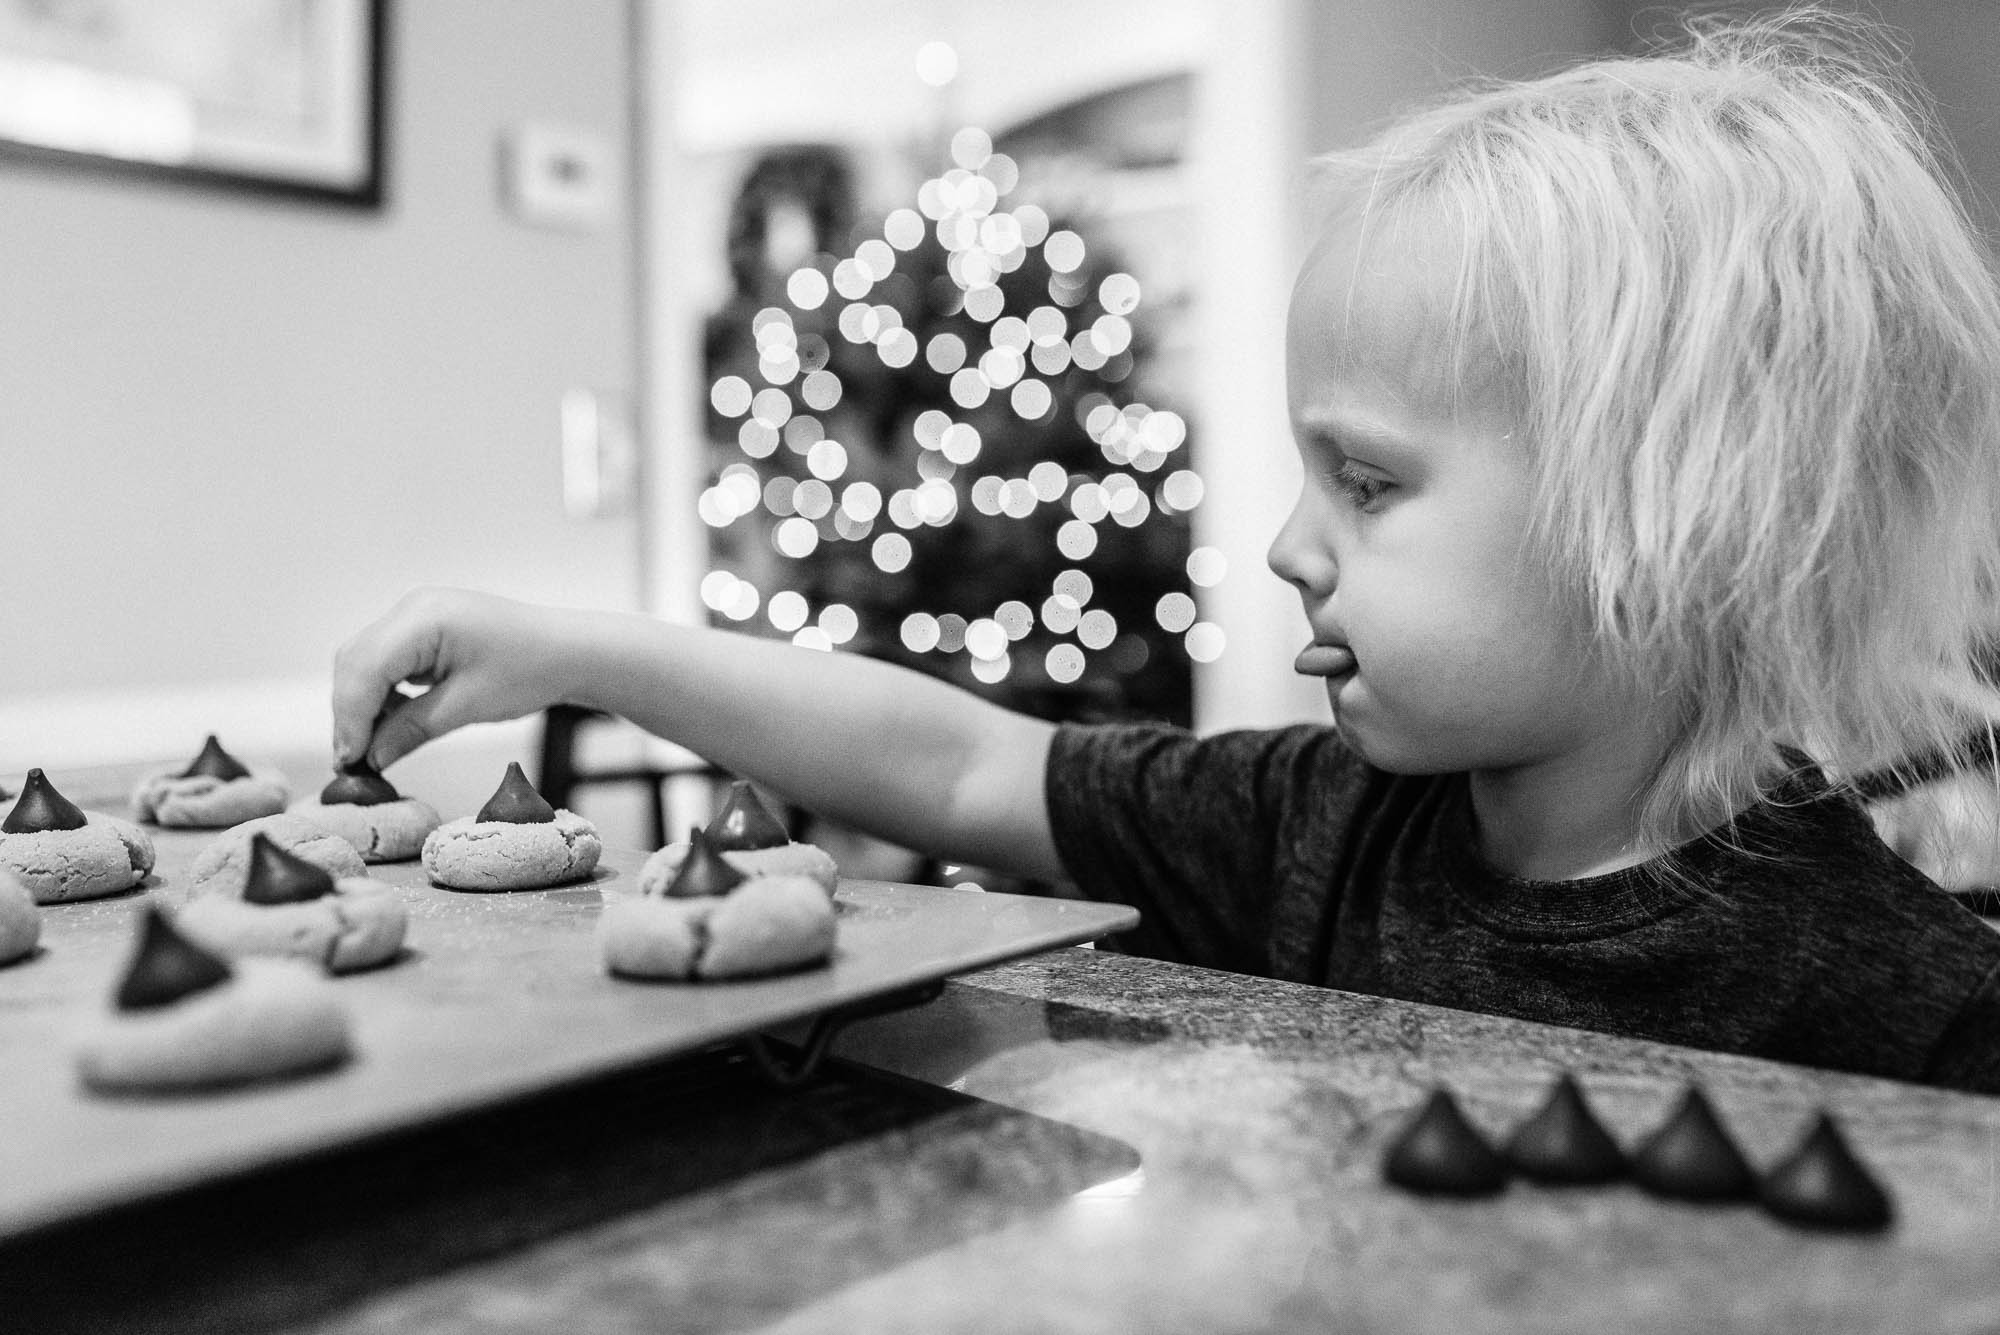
(1359, 486)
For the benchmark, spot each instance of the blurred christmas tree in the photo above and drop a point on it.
(921, 452)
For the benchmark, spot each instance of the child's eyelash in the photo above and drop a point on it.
(1358, 485)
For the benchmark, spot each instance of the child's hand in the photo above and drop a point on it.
(484, 659)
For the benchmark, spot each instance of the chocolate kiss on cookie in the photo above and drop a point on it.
(745, 823)
(166, 966)
(278, 877)
(1691, 1157)
(359, 784)
(516, 802)
(40, 807)
(704, 873)
(1440, 1153)
(1564, 1144)
(1821, 1184)
(215, 763)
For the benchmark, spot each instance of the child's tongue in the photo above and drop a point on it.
(1324, 660)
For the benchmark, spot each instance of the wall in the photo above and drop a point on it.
(232, 429)
(1953, 47)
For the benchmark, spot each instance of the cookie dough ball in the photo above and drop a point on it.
(61, 852)
(185, 1018)
(767, 925)
(213, 792)
(223, 866)
(294, 908)
(363, 808)
(712, 922)
(20, 920)
(755, 841)
(809, 861)
(516, 842)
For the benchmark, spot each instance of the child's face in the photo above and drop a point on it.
(1441, 638)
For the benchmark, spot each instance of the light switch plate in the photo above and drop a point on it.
(559, 176)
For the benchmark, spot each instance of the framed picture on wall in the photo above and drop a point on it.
(272, 95)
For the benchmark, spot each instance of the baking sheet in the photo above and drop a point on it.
(499, 995)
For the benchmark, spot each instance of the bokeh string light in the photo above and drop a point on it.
(993, 361)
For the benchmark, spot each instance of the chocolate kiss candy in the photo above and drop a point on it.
(40, 807)
(215, 763)
(166, 966)
(1564, 1144)
(279, 877)
(1441, 1153)
(358, 784)
(1822, 1185)
(516, 801)
(745, 823)
(703, 873)
(1691, 1157)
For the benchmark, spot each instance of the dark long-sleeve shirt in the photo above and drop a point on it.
(1794, 934)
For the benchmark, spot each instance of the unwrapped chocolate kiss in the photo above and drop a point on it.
(745, 823)
(215, 763)
(516, 802)
(41, 808)
(1440, 1153)
(166, 966)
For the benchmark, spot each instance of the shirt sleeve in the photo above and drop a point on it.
(1968, 1055)
(1184, 829)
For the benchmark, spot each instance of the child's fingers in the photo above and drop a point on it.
(402, 646)
(410, 721)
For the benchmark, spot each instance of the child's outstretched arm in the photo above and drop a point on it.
(877, 747)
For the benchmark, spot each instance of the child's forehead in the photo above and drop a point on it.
(1383, 296)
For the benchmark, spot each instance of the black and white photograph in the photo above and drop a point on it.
(1126, 667)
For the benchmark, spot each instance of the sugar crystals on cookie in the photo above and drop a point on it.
(61, 852)
(518, 841)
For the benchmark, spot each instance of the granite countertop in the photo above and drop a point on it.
(1147, 1147)
(1082, 1141)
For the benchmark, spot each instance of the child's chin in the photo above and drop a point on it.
(1381, 747)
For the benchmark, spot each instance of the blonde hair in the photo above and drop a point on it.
(1756, 344)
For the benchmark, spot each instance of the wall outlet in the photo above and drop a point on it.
(556, 176)
(599, 454)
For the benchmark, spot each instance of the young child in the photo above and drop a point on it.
(1650, 421)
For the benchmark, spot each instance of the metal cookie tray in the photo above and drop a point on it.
(499, 996)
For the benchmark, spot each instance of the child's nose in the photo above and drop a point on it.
(1299, 554)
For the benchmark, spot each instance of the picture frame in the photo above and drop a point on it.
(281, 97)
